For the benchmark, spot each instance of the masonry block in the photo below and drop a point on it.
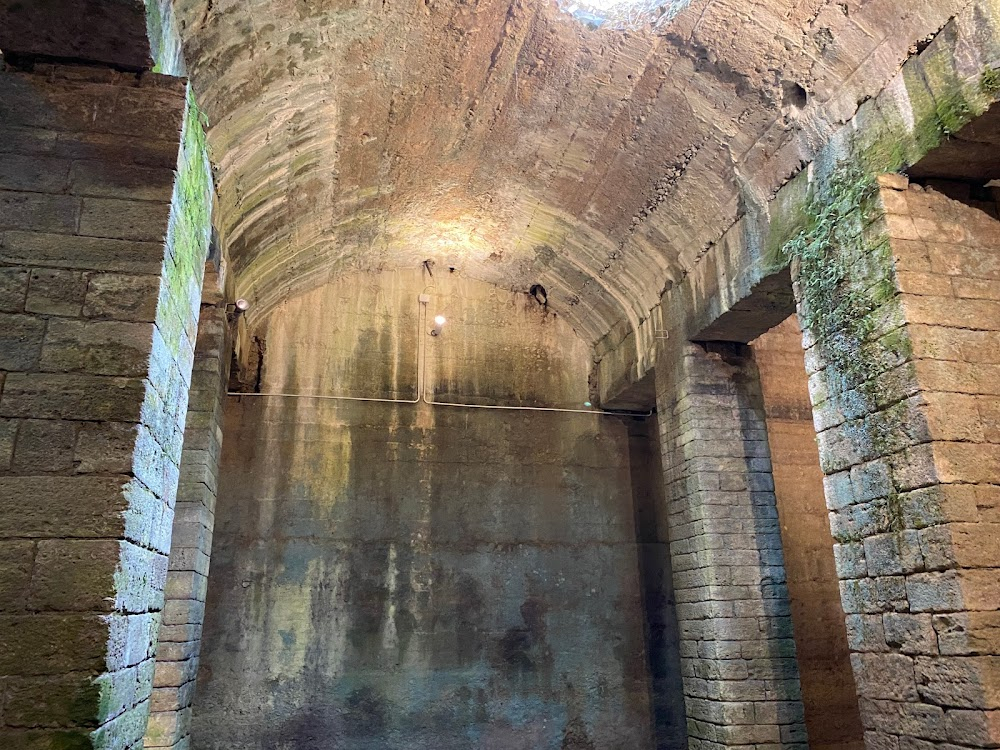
(87, 185)
(918, 548)
(54, 291)
(732, 602)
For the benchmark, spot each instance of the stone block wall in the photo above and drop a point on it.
(741, 680)
(828, 691)
(191, 546)
(652, 534)
(905, 402)
(100, 272)
(429, 577)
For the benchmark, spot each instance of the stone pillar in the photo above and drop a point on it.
(101, 259)
(828, 694)
(904, 336)
(741, 683)
(194, 520)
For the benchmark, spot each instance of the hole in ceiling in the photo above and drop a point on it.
(795, 94)
(538, 292)
(623, 14)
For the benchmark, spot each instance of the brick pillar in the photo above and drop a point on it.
(194, 519)
(741, 682)
(906, 398)
(101, 257)
(828, 693)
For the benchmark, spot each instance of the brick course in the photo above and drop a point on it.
(741, 680)
(912, 460)
(179, 647)
(95, 361)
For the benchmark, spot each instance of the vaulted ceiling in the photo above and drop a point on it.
(515, 144)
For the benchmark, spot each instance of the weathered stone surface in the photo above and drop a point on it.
(56, 292)
(726, 548)
(105, 447)
(8, 431)
(62, 515)
(101, 31)
(918, 556)
(79, 491)
(44, 446)
(13, 289)
(62, 251)
(97, 347)
(464, 572)
(597, 163)
(71, 396)
(121, 297)
(15, 574)
(52, 644)
(20, 341)
(610, 167)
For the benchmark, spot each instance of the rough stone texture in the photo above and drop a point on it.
(662, 636)
(598, 163)
(92, 396)
(942, 87)
(741, 680)
(937, 92)
(505, 142)
(93, 31)
(913, 467)
(828, 692)
(194, 520)
(433, 578)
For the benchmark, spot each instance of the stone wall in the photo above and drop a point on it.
(101, 256)
(662, 637)
(905, 398)
(949, 83)
(409, 576)
(194, 520)
(741, 682)
(828, 691)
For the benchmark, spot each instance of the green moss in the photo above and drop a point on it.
(884, 147)
(847, 289)
(952, 113)
(194, 186)
(832, 308)
(989, 83)
(190, 224)
(789, 218)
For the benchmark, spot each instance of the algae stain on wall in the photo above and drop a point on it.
(427, 578)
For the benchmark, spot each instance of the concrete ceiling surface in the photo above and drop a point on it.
(513, 143)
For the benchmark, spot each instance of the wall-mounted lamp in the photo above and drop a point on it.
(237, 308)
(439, 322)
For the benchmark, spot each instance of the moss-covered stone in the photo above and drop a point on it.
(989, 83)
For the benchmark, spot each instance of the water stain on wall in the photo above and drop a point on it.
(414, 577)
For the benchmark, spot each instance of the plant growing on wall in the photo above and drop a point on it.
(843, 269)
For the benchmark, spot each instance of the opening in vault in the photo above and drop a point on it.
(624, 14)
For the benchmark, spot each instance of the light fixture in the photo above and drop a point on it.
(439, 322)
(237, 308)
(587, 404)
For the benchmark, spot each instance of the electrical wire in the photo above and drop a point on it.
(422, 393)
